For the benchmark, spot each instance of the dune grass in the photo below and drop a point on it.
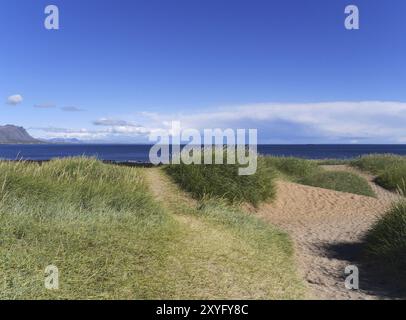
(95, 222)
(389, 169)
(227, 253)
(310, 173)
(377, 163)
(292, 168)
(393, 178)
(262, 257)
(386, 243)
(339, 181)
(110, 239)
(223, 182)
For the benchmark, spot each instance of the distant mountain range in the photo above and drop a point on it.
(13, 134)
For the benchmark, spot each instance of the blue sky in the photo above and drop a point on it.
(117, 70)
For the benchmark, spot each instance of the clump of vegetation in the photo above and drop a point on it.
(110, 239)
(247, 258)
(394, 178)
(386, 242)
(223, 181)
(339, 181)
(95, 222)
(390, 170)
(309, 172)
(292, 168)
(377, 163)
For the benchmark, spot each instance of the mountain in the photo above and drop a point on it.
(13, 134)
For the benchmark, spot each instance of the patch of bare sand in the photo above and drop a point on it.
(326, 226)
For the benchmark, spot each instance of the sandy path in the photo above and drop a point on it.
(326, 226)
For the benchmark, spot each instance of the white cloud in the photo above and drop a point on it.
(14, 99)
(116, 133)
(325, 122)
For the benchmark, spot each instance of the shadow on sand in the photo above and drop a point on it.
(374, 277)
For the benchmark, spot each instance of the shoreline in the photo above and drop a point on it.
(129, 163)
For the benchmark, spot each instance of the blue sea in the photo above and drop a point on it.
(139, 153)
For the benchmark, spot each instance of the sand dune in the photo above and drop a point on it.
(326, 226)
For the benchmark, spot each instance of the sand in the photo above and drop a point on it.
(327, 227)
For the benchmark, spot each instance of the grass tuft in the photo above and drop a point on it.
(222, 181)
(377, 163)
(386, 242)
(310, 173)
(390, 170)
(393, 178)
(292, 168)
(339, 181)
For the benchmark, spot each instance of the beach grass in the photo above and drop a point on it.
(393, 178)
(110, 238)
(310, 173)
(339, 181)
(377, 163)
(390, 170)
(386, 243)
(229, 253)
(224, 182)
(292, 168)
(96, 223)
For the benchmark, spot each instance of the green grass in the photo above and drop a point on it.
(110, 239)
(339, 181)
(393, 178)
(292, 168)
(386, 243)
(95, 222)
(390, 170)
(261, 250)
(377, 163)
(230, 253)
(223, 181)
(310, 173)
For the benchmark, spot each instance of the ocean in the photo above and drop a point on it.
(139, 153)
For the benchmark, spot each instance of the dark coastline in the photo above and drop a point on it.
(139, 164)
(138, 154)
